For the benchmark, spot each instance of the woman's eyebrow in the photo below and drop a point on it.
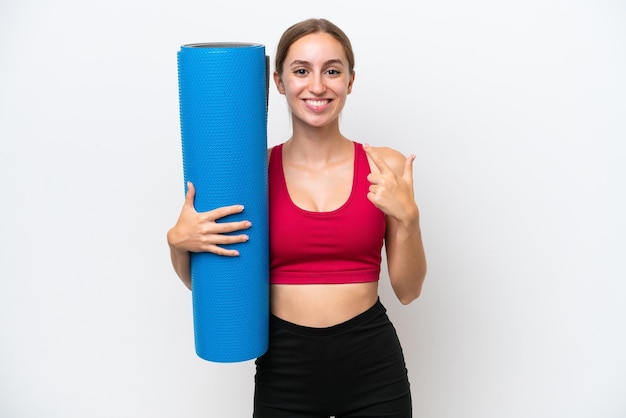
(307, 63)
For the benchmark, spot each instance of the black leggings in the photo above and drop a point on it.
(353, 369)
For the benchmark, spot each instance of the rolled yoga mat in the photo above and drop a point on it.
(223, 91)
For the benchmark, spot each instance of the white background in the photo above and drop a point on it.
(516, 112)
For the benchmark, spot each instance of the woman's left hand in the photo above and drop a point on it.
(392, 191)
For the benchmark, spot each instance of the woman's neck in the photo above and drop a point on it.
(317, 143)
(312, 150)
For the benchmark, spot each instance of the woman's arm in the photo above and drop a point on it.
(406, 259)
(199, 232)
(181, 261)
(391, 190)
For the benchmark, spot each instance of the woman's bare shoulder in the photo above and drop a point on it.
(392, 157)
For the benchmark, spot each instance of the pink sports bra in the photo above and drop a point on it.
(340, 246)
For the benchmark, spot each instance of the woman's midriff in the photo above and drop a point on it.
(321, 305)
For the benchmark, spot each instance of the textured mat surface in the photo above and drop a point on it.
(223, 117)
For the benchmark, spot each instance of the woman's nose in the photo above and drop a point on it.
(317, 85)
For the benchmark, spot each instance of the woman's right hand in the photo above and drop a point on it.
(200, 232)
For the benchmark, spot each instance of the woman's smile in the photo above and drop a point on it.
(317, 105)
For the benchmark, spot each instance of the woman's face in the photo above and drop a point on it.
(315, 79)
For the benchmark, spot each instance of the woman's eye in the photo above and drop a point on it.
(333, 72)
(300, 71)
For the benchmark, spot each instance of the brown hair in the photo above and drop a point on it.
(307, 27)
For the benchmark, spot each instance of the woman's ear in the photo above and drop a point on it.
(279, 83)
(351, 82)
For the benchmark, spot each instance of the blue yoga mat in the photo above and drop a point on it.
(223, 91)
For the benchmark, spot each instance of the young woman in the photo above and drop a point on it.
(334, 204)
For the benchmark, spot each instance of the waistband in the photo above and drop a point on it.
(375, 310)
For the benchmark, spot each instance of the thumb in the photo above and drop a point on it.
(408, 168)
(191, 194)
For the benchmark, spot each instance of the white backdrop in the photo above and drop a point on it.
(516, 111)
